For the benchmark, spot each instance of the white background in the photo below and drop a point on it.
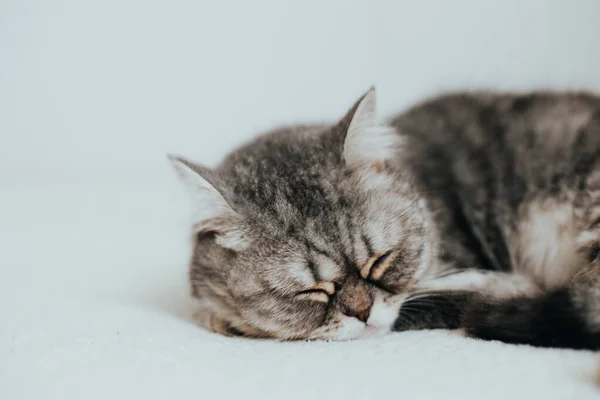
(94, 301)
(103, 89)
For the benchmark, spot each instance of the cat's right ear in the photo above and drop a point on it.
(368, 142)
(212, 213)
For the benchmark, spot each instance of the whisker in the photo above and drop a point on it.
(424, 294)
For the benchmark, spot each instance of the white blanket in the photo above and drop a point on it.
(94, 305)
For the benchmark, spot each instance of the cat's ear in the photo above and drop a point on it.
(368, 142)
(212, 213)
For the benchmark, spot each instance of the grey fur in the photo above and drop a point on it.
(453, 189)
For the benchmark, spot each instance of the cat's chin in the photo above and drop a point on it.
(355, 330)
(367, 332)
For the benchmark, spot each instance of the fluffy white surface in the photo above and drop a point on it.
(93, 299)
(93, 305)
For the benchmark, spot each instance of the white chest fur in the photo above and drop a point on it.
(544, 246)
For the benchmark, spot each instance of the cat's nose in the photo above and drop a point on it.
(355, 300)
(361, 315)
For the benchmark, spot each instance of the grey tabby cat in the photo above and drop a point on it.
(478, 211)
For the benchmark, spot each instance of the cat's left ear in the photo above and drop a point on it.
(212, 212)
(368, 142)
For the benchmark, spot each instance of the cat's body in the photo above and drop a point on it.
(513, 182)
(476, 211)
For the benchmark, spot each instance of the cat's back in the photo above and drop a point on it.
(538, 140)
(544, 119)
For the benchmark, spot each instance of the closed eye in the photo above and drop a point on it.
(376, 267)
(314, 295)
(321, 292)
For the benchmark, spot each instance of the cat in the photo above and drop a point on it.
(477, 211)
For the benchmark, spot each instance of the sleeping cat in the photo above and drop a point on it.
(474, 211)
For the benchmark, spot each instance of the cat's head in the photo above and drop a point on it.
(309, 232)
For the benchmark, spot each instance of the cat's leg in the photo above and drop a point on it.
(491, 283)
(568, 318)
(486, 308)
(439, 303)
